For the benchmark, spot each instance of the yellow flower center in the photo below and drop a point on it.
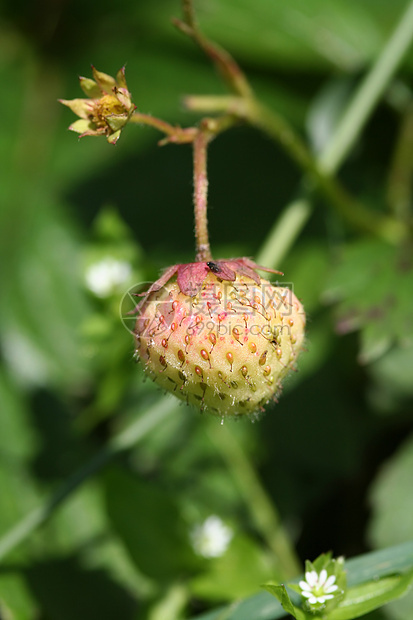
(105, 106)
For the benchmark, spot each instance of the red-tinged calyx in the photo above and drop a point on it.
(219, 336)
(191, 276)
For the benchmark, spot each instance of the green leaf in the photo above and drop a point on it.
(18, 438)
(19, 495)
(300, 34)
(82, 523)
(391, 498)
(307, 269)
(365, 568)
(66, 590)
(281, 594)
(226, 578)
(81, 519)
(392, 376)
(16, 601)
(42, 304)
(109, 227)
(148, 522)
(372, 287)
(262, 606)
(392, 509)
(362, 599)
(378, 564)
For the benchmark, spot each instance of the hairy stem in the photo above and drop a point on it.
(200, 146)
(175, 133)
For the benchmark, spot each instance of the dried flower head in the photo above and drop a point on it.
(106, 110)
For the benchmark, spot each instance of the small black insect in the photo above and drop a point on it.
(214, 267)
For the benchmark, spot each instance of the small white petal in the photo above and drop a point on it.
(322, 578)
(304, 585)
(321, 599)
(307, 594)
(311, 578)
(330, 581)
(312, 600)
(330, 589)
(328, 596)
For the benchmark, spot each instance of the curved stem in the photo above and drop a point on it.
(224, 62)
(262, 510)
(200, 146)
(176, 134)
(337, 149)
(352, 210)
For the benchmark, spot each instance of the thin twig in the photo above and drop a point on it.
(247, 106)
(225, 63)
(174, 133)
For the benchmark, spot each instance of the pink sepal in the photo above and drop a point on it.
(191, 277)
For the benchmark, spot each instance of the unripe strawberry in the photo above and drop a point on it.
(219, 336)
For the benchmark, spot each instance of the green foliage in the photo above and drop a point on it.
(391, 488)
(225, 577)
(373, 580)
(373, 283)
(138, 513)
(358, 600)
(362, 599)
(119, 542)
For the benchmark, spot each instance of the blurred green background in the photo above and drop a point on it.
(335, 456)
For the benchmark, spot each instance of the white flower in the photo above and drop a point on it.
(211, 538)
(104, 277)
(318, 588)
